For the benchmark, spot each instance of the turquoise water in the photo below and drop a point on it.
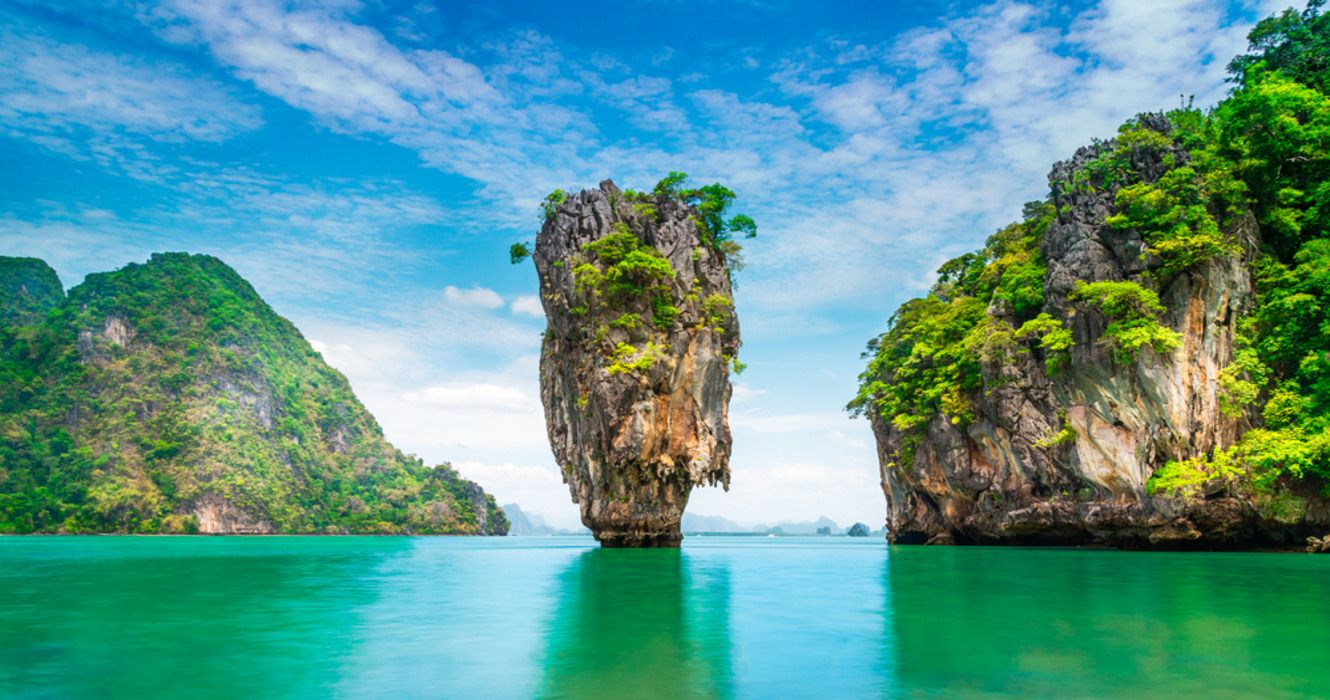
(297, 617)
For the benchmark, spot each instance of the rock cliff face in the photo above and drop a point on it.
(635, 360)
(1063, 457)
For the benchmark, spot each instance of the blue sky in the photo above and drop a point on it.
(366, 165)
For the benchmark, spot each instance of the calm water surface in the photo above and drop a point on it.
(296, 617)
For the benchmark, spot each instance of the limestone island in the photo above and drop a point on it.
(641, 337)
(1144, 359)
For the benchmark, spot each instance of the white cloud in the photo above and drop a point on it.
(949, 128)
(335, 68)
(352, 78)
(473, 396)
(297, 243)
(477, 297)
(101, 105)
(539, 489)
(864, 102)
(362, 355)
(941, 133)
(744, 392)
(786, 423)
(528, 305)
(72, 248)
(845, 492)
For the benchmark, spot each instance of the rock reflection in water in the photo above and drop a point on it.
(635, 623)
(1004, 622)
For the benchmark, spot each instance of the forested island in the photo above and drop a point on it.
(168, 397)
(1144, 359)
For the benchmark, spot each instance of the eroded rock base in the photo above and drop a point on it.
(1226, 523)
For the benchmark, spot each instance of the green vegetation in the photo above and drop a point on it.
(622, 270)
(1133, 312)
(716, 311)
(1054, 338)
(621, 283)
(1263, 152)
(931, 360)
(1296, 44)
(1173, 216)
(28, 289)
(1064, 436)
(1181, 215)
(627, 320)
(1275, 131)
(627, 359)
(924, 363)
(671, 185)
(710, 205)
(551, 204)
(157, 385)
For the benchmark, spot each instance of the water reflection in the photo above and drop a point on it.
(1039, 623)
(634, 623)
(457, 618)
(726, 617)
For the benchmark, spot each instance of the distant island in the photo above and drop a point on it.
(717, 525)
(524, 524)
(167, 397)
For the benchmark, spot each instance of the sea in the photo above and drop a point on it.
(721, 617)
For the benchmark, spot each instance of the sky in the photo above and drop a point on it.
(366, 165)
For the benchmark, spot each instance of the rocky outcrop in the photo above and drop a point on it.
(1064, 457)
(635, 360)
(215, 515)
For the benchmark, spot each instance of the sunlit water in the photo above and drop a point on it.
(726, 617)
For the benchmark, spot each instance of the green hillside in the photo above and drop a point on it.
(169, 397)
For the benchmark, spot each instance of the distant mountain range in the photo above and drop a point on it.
(694, 524)
(532, 524)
